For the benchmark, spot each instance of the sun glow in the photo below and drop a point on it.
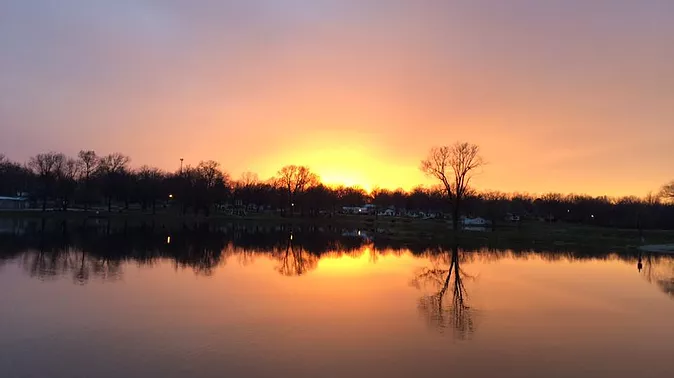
(356, 165)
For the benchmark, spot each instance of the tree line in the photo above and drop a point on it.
(109, 183)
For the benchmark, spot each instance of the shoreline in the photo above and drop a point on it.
(402, 230)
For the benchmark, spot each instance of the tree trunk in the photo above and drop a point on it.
(109, 204)
(86, 193)
(455, 216)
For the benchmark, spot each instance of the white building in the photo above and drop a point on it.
(474, 221)
(13, 203)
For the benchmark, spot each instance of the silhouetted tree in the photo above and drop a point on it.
(14, 178)
(150, 181)
(88, 162)
(495, 206)
(212, 184)
(45, 166)
(318, 198)
(248, 179)
(295, 180)
(67, 171)
(351, 195)
(113, 169)
(454, 166)
(667, 191)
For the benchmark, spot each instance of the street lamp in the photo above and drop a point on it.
(170, 195)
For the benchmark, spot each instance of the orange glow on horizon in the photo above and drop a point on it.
(356, 90)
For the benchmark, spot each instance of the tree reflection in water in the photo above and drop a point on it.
(98, 249)
(294, 260)
(441, 313)
(658, 270)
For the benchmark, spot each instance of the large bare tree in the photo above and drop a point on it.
(295, 180)
(454, 166)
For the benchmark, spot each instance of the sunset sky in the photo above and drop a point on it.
(566, 96)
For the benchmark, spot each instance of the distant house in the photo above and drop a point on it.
(13, 203)
(474, 221)
(388, 213)
(352, 210)
(364, 210)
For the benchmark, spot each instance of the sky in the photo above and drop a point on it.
(570, 96)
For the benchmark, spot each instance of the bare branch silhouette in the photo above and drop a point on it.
(454, 166)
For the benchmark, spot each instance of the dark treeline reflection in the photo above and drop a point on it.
(99, 249)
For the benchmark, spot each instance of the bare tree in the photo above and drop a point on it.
(496, 204)
(45, 167)
(149, 183)
(211, 184)
(209, 171)
(113, 167)
(115, 162)
(295, 180)
(88, 162)
(15, 179)
(667, 191)
(248, 179)
(454, 166)
(67, 171)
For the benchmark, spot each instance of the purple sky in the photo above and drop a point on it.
(569, 96)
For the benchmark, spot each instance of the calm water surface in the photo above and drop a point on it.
(278, 302)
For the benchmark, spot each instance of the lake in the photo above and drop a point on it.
(101, 300)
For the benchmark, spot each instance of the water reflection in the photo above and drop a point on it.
(439, 312)
(658, 271)
(294, 260)
(99, 249)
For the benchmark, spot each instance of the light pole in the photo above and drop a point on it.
(181, 166)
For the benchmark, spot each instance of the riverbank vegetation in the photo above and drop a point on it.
(93, 185)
